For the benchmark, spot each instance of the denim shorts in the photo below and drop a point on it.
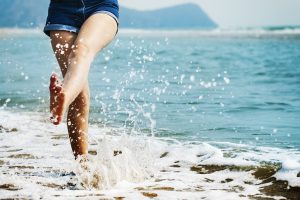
(69, 15)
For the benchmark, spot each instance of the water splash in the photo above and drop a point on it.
(118, 159)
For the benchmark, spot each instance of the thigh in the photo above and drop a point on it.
(97, 32)
(64, 15)
(62, 42)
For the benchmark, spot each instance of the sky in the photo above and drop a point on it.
(235, 13)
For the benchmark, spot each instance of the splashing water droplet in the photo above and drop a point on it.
(226, 80)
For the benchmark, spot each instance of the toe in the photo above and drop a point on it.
(57, 89)
(53, 81)
(56, 120)
(59, 120)
(53, 78)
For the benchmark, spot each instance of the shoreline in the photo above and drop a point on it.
(240, 33)
(203, 173)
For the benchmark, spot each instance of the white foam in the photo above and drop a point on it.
(118, 159)
(219, 32)
(19, 31)
(156, 165)
(289, 171)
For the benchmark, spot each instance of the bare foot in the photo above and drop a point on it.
(57, 100)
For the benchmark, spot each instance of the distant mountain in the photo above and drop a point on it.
(32, 13)
(23, 13)
(180, 16)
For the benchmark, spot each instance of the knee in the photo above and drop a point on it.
(80, 50)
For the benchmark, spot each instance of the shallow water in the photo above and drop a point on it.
(209, 99)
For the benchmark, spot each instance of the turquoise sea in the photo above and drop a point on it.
(183, 78)
(237, 91)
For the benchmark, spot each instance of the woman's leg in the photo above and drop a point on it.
(97, 32)
(78, 112)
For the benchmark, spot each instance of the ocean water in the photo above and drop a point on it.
(195, 114)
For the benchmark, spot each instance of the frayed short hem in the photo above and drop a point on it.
(59, 27)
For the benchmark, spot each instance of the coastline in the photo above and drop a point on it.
(217, 32)
(205, 171)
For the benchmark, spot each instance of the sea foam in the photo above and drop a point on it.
(37, 162)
